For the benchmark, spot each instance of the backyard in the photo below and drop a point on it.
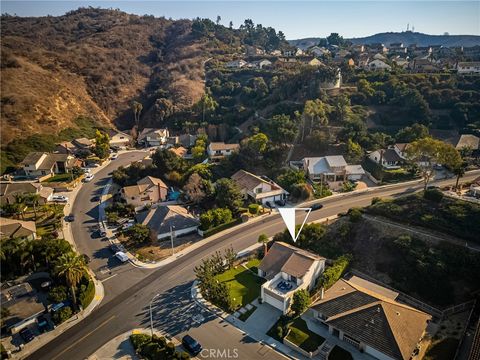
(243, 283)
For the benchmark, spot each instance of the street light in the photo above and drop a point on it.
(172, 234)
(151, 316)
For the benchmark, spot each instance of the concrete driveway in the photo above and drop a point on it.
(263, 318)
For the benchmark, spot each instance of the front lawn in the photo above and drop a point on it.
(301, 336)
(338, 353)
(244, 285)
(67, 177)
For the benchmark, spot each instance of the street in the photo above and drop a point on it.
(129, 290)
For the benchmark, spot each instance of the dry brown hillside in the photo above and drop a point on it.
(93, 62)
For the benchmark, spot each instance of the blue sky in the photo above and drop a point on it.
(296, 19)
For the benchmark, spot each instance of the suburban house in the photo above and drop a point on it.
(467, 141)
(40, 164)
(389, 158)
(83, 143)
(119, 139)
(368, 317)
(315, 62)
(424, 65)
(23, 307)
(472, 67)
(378, 65)
(17, 229)
(66, 147)
(331, 169)
(148, 191)
(167, 221)
(261, 64)
(236, 64)
(287, 270)
(318, 51)
(153, 137)
(259, 189)
(218, 150)
(8, 191)
(179, 151)
(187, 140)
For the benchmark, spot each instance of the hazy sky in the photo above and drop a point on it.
(295, 19)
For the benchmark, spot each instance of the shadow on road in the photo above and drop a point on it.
(174, 311)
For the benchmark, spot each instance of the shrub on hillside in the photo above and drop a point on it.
(62, 315)
(433, 195)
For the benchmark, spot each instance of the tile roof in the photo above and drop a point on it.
(372, 317)
(179, 151)
(467, 140)
(214, 146)
(249, 181)
(12, 228)
(152, 181)
(161, 218)
(288, 258)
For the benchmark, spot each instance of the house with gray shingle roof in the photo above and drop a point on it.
(287, 270)
(368, 317)
(259, 189)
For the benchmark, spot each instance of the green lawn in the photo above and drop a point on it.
(60, 178)
(244, 285)
(338, 353)
(301, 336)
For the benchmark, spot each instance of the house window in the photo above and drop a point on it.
(258, 190)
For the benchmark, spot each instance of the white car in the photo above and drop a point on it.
(89, 177)
(59, 198)
(114, 156)
(120, 255)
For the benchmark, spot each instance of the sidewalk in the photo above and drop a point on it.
(121, 348)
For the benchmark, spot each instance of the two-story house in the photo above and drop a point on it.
(153, 137)
(388, 158)
(119, 139)
(40, 164)
(9, 190)
(259, 189)
(147, 191)
(218, 150)
(17, 229)
(287, 270)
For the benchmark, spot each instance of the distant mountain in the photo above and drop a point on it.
(405, 37)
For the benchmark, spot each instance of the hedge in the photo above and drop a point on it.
(87, 296)
(335, 272)
(155, 347)
(222, 227)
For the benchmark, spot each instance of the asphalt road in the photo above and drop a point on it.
(130, 290)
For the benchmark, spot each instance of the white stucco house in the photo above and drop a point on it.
(331, 169)
(218, 150)
(259, 189)
(236, 64)
(153, 137)
(378, 64)
(287, 270)
(472, 67)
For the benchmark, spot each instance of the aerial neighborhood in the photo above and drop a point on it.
(176, 189)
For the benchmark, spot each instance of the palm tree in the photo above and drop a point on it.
(19, 204)
(33, 199)
(264, 240)
(137, 109)
(73, 267)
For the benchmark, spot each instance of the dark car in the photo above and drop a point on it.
(43, 324)
(27, 335)
(280, 202)
(95, 198)
(316, 207)
(70, 218)
(191, 345)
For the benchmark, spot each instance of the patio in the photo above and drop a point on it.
(282, 286)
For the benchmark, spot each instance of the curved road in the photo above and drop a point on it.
(129, 290)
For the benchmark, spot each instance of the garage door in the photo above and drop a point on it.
(274, 302)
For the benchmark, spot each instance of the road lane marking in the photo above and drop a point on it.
(108, 278)
(85, 336)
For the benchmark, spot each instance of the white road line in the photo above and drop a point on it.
(108, 278)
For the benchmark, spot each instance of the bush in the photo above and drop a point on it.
(215, 217)
(58, 294)
(375, 200)
(222, 227)
(301, 192)
(253, 209)
(334, 272)
(184, 356)
(301, 301)
(62, 315)
(138, 340)
(170, 348)
(355, 214)
(434, 195)
(87, 294)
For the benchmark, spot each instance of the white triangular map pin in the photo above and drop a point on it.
(288, 216)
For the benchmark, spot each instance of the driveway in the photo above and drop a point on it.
(263, 318)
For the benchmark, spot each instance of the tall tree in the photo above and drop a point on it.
(227, 194)
(102, 144)
(72, 267)
(137, 109)
(314, 115)
(428, 152)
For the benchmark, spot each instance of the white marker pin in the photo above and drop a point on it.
(288, 216)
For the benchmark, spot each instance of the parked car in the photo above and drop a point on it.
(316, 207)
(280, 202)
(93, 165)
(89, 177)
(59, 198)
(43, 324)
(70, 218)
(114, 156)
(27, 335)
(86, 170)
(120, 255)
(191, 345)
(95, 198)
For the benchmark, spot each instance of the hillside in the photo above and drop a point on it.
(93, 62)
(406, 37)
